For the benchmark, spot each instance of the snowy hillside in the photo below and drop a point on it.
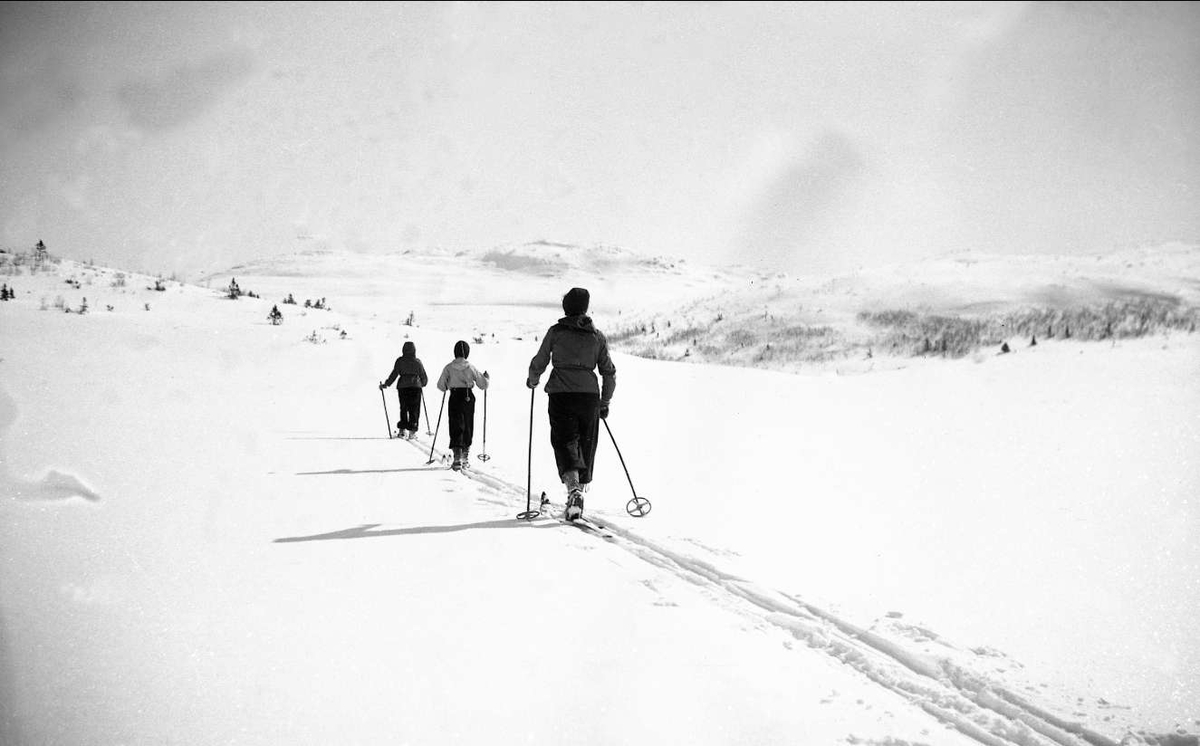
(955, 306)
(207, 536)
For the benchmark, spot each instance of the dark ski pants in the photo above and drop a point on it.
(574, 432)
(461, 422)
(410, 408)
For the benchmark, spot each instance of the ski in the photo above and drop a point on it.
(583, 523)
(587, 524)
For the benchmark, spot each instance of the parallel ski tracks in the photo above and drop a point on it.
(979, 708)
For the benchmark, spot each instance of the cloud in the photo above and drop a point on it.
(1078, 129)
(37, 95)
(802, 201)
(186, 92)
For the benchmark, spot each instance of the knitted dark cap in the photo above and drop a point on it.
(461, 349)
(575, 302)
(409, 349)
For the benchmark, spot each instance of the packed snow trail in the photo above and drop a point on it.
(989, 713)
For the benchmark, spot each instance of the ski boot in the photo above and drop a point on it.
(466, 457)
(457, 464)
(574, 505)
(574, 495)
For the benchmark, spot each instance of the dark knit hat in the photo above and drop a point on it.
(409, 350)
(575, 302)
(461, 349)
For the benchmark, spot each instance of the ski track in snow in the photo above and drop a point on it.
(972, 704)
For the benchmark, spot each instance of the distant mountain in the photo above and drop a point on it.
(547, 258)
(655, 307)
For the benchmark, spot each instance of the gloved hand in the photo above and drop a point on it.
(485, 375)
(529, 382)
(382, 387)
(604, 411)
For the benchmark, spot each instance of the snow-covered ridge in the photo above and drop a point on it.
(557, 259)
(538, 258)
(659, 308)
(946, 307)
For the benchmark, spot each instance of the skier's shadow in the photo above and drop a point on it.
(366, 471)
(333, 437)
(365, 531)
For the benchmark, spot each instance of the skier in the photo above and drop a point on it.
(410, 378)
(459, 377)
(577, 403)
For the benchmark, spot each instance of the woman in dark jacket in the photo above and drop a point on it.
(577, 403)
(410, 378)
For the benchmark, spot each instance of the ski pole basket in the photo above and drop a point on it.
(638, 506)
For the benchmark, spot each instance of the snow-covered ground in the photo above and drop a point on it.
(206, 535)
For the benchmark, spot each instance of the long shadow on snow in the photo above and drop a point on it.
(364, 531)
(366, 471)
(333, 437)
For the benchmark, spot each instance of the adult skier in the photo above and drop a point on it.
(459, 377)
(577, 403)
(410, 378)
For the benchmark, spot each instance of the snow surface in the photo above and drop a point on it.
(207, 537)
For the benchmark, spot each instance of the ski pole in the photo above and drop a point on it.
(530, 513)
(427, 430)
(439, 427)
(386, 418)
(638, 506)
(483, 455)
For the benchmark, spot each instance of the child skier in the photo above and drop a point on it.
(410, 378)
(459, 377)
(577, 403)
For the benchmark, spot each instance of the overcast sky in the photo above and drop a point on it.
(810, 137)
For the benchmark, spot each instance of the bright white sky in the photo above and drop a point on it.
(804, 136)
